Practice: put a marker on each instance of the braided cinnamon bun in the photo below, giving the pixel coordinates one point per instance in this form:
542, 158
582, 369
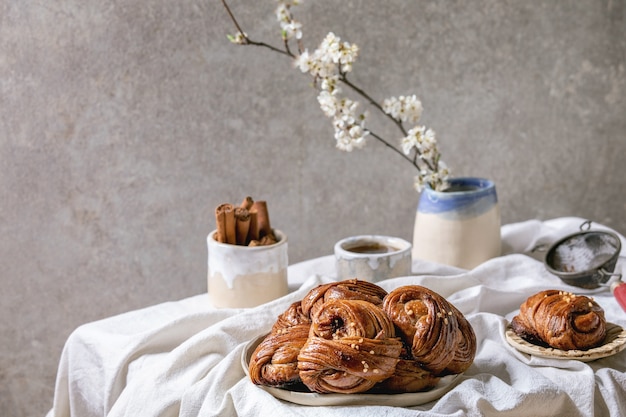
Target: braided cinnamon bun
352, 289
274, 362
409, 376
291, 317
441, 340
561, 320
351, 348
466, 346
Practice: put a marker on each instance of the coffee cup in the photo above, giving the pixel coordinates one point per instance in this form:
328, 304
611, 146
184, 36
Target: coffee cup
372, 258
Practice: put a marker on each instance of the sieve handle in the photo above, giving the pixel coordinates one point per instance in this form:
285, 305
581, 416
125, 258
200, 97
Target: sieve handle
606, 273
619, 292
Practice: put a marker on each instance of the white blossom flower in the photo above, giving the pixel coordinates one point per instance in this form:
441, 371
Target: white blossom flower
424, 178
429, 138
329, 48
315, 64
347, 55
413, 109
290, 27
413, 139
283, 14
349, 126
326, 62
438, 180
292, 30
325, 69
428, 146
392, 107
423, 140
331, 84
304, 62
328, 103
332, 50
420, 182
350, 139
404, 108
444, 173
348, 108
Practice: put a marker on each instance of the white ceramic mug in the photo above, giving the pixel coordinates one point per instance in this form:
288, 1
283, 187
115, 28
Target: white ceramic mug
372, 258
246, 276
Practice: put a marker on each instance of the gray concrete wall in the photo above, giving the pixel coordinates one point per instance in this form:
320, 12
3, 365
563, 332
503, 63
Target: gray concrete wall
124, 123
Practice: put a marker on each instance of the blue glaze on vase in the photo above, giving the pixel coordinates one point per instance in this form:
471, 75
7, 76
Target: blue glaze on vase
474, 197
460, 226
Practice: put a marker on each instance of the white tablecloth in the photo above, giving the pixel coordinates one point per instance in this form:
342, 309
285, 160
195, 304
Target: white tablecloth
183, 358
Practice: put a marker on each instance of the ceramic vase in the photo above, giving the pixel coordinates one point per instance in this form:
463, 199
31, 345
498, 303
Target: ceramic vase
460, 226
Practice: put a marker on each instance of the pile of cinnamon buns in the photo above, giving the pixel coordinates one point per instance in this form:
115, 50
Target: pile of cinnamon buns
354, 337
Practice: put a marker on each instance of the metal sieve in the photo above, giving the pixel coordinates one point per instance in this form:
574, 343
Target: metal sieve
585, 259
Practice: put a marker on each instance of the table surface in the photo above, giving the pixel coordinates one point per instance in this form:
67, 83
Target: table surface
184, 357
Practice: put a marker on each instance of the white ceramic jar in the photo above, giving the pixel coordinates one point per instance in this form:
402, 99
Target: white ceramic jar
246, 276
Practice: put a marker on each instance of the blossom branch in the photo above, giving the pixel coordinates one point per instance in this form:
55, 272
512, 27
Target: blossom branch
393, 148
374, 103
400, 125
329, 66
243, 39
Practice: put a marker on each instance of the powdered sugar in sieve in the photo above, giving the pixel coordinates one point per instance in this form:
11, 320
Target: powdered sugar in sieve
583, 252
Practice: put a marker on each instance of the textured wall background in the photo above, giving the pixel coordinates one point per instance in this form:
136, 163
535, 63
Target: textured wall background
124, 123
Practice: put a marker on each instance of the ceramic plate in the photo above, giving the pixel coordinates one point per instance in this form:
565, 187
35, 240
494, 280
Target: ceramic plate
614, 342
310, 398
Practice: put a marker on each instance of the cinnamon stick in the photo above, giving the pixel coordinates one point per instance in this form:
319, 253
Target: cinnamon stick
242, 225
247, 224
220, 221
269, 239
263, 218
247, 203
225, 219
264, 241
253, 229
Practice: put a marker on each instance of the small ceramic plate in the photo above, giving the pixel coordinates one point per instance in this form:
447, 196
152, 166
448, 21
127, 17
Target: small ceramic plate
310, 398
614, 342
